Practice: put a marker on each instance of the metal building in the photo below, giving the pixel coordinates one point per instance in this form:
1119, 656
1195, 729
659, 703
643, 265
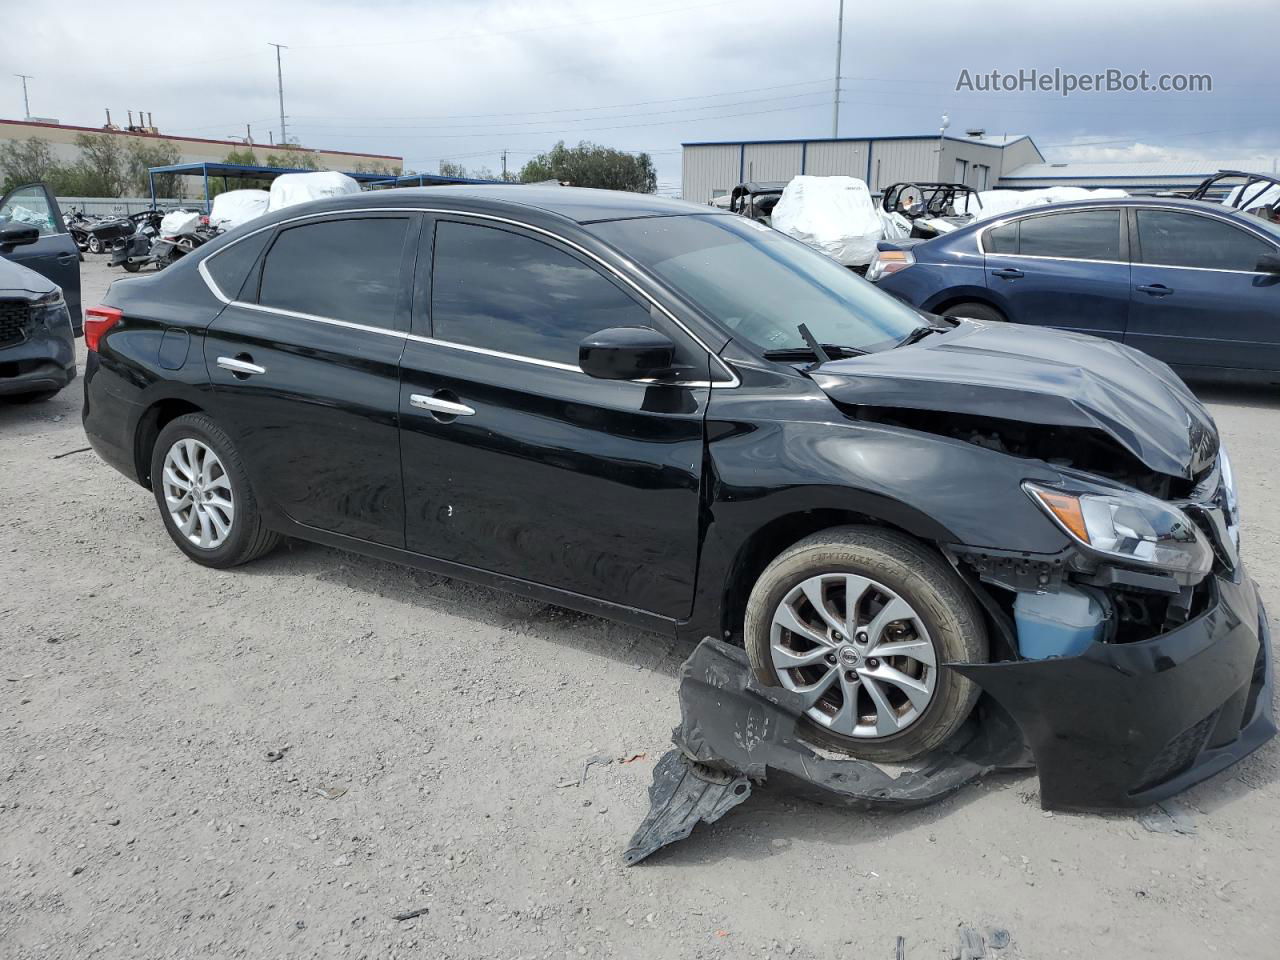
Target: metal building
712, 169
1135, 177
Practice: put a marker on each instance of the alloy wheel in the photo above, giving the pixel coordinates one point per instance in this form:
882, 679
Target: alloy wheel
858, 654
197, 493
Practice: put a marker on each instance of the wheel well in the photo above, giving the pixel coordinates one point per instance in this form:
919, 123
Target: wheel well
950, 302
765, 545
155, 419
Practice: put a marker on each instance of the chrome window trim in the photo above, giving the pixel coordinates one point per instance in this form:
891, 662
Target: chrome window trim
1207, 215
570, 368
1029, 214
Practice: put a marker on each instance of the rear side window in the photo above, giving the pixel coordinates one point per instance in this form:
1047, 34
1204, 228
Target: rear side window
1186, 240
1002, 239
345, 269
1079, 235
231, 266
503, 291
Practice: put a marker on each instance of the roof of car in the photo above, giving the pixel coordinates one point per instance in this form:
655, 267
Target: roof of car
580, 204
1130, 201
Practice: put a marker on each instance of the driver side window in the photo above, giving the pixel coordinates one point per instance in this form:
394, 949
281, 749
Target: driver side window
30, 206
503, 291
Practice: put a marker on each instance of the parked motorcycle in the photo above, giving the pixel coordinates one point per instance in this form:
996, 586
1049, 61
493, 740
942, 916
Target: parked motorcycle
162, 239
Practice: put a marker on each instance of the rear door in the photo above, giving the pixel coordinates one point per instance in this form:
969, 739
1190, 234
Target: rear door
54, 255
544, 473
1068, 269
304, 363
1198, 298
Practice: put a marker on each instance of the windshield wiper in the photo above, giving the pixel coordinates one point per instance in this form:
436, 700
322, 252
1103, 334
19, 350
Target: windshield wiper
916, 335
821, 352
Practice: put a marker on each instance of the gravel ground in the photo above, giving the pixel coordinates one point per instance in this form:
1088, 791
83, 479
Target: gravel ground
429, 729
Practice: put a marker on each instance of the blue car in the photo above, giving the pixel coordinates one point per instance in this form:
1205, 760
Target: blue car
1194, 284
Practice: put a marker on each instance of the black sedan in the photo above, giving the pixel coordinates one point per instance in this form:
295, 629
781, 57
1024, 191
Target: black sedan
683, 420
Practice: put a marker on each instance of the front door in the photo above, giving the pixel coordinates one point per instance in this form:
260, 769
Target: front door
1198, 298
304, 364
1068, 270
518, 463
54, 255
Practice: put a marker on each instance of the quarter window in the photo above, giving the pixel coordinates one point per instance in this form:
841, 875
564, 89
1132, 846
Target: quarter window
1079, 235
1186, 240
1002, 239
503, 291
345, 269
230, 266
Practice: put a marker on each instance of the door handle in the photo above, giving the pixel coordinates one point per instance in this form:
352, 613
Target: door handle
1156, 289
240, 367
1007, 273
65, 258
448, 408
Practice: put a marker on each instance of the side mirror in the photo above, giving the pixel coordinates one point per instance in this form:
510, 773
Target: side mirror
1269, 263
626, 353
17, 235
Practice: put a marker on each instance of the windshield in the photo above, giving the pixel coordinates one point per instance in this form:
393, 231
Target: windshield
761, 284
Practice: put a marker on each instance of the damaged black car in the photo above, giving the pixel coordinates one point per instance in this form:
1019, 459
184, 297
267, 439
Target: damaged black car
686, 421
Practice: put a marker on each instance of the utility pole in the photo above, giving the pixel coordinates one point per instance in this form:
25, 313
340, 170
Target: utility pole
284, 141
504, 163
26, 105
835, 102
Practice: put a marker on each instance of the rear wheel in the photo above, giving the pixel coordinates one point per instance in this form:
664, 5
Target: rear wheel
131, 267
858, 621
95, 245
974, 311
204, 495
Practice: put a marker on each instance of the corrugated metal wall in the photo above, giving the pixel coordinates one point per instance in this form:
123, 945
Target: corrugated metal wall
709, 171
893, 161
771, 161
847, 158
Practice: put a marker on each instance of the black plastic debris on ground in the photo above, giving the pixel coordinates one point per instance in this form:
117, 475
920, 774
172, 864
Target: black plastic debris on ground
734, 733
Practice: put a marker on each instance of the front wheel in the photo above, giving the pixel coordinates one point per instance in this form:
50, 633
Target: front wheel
95, 245
204, 495
859, 621
972, 310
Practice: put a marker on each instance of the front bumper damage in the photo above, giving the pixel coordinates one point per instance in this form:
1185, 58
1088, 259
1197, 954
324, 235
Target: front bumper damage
1121, 725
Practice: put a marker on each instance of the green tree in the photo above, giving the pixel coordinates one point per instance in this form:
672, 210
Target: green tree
297, 159
99, 171
26, 161
450, 168
591, 165
141, 156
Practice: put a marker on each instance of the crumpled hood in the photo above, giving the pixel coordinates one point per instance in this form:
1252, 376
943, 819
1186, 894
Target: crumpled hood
1038, 375
19, 281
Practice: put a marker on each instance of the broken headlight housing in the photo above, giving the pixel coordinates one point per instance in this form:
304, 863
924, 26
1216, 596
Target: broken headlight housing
1129, 526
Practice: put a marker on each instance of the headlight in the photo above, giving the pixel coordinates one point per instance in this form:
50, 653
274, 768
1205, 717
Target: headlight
889, 261
1132, 527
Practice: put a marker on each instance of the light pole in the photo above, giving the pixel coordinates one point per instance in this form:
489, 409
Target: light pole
835, 103
284, 141
26, 104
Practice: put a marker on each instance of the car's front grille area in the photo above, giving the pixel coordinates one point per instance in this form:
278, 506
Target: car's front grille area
14, 317
1178, 754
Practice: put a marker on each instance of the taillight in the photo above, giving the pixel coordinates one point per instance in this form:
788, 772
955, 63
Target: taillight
889, 261
97, 321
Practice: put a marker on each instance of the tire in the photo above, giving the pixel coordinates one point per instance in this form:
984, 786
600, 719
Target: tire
246, 537
895, 568
95, 245
974, 311
131, 267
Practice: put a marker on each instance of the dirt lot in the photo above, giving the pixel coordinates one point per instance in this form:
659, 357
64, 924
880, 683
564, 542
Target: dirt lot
429, 728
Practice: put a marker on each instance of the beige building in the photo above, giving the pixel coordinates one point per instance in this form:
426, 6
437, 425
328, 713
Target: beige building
61, 138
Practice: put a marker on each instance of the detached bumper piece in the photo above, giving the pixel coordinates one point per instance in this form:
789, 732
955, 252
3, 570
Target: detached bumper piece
1121, 725
734, 733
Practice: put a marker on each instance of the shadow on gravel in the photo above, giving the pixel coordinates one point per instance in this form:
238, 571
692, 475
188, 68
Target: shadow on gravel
1239, 395
495, 608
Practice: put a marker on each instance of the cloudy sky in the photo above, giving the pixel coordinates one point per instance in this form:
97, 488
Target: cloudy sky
464, 80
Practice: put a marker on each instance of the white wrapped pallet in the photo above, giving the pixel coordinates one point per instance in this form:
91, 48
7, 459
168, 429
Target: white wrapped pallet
831, 214
290, 189
179, 223
235, 207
